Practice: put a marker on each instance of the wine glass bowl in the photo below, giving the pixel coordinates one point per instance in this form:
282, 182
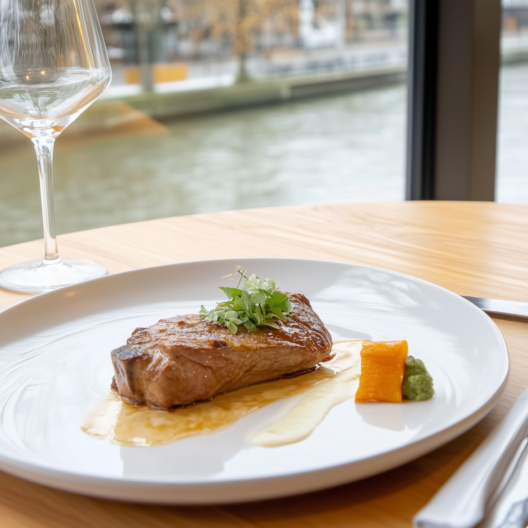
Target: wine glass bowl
53, 65
45, 102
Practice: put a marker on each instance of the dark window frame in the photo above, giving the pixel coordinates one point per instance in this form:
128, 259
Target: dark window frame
454, 63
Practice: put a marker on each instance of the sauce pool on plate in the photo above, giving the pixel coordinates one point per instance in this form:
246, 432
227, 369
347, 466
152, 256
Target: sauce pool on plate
333, 382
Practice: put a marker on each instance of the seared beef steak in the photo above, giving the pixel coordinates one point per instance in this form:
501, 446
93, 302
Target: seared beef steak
186, 359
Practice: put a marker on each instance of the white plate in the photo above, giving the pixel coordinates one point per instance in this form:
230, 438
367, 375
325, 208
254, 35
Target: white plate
55, 368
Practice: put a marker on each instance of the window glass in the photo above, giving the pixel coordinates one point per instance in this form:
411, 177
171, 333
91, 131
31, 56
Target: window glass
226, 104
512, 152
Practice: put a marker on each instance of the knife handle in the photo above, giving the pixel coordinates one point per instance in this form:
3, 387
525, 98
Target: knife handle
461, 502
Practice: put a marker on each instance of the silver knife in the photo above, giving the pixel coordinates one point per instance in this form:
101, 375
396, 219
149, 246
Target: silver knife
495, 306
494, 473
510, 509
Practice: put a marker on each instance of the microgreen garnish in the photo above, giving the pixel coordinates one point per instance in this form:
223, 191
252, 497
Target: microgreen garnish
257, 303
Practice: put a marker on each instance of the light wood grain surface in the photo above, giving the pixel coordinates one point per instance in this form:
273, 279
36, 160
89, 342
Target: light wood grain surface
478, 249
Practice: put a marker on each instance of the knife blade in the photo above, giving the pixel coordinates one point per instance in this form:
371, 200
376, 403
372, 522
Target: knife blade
495, 306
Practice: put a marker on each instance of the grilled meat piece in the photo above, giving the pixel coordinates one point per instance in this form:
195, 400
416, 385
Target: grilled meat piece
186, 359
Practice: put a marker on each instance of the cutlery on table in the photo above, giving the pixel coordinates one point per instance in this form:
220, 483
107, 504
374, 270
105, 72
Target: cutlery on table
510, 510
463, 500
520, 309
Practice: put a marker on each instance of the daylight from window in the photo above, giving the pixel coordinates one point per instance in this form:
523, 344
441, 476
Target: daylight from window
231, 104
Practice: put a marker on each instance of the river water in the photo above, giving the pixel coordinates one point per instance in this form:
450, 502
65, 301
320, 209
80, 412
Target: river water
344, 148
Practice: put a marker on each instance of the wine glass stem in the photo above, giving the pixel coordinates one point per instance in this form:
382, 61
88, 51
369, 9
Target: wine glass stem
44, 149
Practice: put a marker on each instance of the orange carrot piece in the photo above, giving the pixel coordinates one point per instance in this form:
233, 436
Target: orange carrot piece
382, 369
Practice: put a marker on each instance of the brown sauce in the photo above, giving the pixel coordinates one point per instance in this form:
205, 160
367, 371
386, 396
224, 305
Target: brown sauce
130, 425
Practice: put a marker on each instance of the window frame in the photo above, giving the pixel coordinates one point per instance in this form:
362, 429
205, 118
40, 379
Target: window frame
453, 89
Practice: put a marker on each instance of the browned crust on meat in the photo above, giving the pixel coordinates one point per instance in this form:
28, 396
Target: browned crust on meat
186, 359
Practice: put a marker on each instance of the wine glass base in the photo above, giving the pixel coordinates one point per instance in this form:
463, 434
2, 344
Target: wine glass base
39, 276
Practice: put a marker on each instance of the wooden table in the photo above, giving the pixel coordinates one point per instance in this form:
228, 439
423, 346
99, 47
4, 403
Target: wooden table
478, 249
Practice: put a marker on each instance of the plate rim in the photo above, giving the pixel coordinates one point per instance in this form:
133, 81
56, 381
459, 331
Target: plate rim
163, 490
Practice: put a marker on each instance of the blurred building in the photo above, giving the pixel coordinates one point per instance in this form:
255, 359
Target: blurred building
201, 31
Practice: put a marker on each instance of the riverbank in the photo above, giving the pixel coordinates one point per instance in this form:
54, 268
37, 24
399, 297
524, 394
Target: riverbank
116, 115
167, 106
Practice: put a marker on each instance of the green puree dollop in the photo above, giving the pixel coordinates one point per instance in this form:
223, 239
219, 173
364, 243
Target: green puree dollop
417, 382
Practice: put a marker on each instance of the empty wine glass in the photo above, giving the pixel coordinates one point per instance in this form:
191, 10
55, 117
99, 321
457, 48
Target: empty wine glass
53, 65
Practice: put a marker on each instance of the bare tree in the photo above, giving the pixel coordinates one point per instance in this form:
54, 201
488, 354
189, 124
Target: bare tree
242, 22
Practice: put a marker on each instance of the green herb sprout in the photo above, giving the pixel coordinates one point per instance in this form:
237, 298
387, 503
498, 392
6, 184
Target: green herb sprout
257, 303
